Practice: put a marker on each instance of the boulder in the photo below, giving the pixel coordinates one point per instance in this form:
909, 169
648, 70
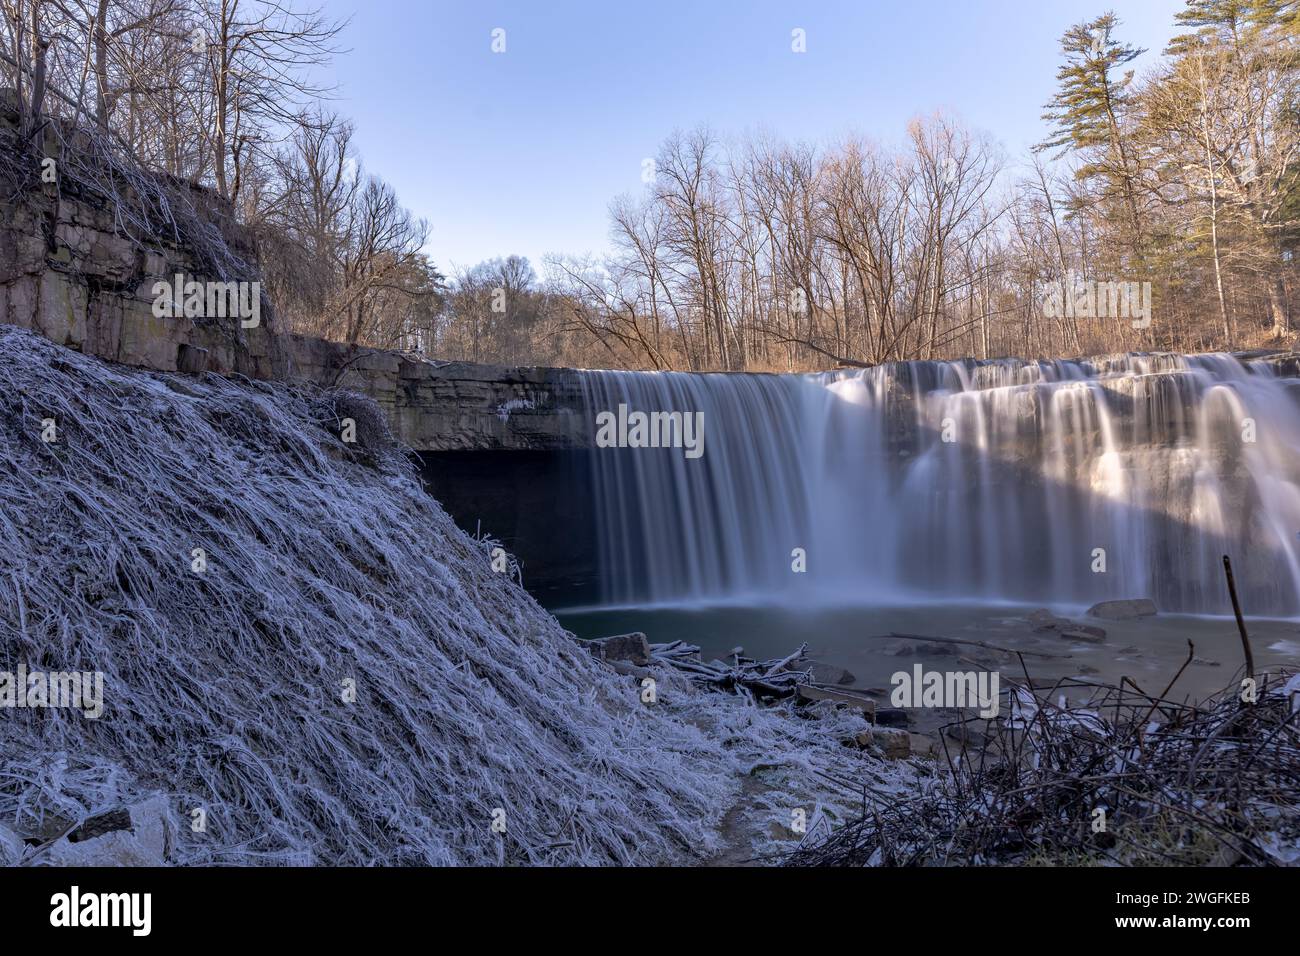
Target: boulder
139, 835
893, 717
1124, 610
630, 670
622, 647
192, 359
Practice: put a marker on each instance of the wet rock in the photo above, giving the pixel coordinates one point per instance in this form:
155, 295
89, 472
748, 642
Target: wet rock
1088, 635
1044, 620
892, 717
1125, 610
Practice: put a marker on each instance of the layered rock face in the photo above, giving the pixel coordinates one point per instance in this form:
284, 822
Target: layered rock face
83, 274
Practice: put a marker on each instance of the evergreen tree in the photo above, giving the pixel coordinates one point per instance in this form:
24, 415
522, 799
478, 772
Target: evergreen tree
1087, 115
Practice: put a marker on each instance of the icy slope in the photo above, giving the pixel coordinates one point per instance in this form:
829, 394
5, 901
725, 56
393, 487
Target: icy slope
327, 567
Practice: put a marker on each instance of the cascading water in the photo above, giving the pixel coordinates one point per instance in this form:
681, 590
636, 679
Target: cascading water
1048, 482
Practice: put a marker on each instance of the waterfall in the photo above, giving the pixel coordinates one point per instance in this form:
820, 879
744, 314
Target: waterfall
1064, 482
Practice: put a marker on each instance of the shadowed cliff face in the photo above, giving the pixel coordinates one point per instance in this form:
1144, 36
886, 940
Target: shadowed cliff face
1066, 482
537, 504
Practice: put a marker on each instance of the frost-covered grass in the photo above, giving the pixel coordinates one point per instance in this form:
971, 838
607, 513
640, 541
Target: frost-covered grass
326, 562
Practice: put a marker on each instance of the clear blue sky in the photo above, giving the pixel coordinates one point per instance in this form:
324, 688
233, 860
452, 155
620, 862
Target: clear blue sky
521, 152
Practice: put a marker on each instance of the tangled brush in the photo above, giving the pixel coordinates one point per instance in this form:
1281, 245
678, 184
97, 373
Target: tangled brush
1125, 779
232, 567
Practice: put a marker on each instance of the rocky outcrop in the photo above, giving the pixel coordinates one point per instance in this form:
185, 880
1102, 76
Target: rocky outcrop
67, 273
81, 273
460, 407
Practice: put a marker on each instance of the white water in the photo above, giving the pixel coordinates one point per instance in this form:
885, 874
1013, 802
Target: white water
1142, 456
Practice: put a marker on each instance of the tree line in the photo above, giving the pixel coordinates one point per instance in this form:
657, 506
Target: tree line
743, 253
1182, 182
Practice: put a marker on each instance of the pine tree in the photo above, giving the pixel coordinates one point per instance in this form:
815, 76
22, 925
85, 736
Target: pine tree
1087, 115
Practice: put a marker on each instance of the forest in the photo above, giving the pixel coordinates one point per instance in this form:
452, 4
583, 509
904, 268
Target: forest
739, 253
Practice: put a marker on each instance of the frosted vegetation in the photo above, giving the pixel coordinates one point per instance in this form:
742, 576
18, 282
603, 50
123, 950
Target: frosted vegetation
327, 562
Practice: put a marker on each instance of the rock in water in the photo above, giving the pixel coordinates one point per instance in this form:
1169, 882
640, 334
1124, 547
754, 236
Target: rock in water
1044, 620
893, 717
1125, 610
1083, 632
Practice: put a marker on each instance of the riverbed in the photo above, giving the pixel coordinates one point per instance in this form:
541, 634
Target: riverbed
1149, 650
